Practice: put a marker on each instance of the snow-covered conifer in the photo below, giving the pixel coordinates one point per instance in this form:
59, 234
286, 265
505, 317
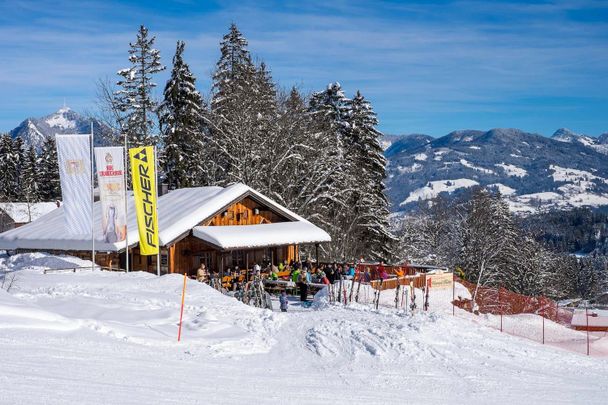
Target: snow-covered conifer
50, 188
135, 99
372, 234
182, 126
30, 181
9, 169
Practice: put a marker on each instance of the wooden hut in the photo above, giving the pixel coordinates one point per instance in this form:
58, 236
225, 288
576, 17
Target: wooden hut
221, 227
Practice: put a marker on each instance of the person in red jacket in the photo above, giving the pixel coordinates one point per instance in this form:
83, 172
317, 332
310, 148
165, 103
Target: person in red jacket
382, 271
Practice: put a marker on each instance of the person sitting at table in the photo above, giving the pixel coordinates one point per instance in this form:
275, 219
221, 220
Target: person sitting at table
202, 274
274, 272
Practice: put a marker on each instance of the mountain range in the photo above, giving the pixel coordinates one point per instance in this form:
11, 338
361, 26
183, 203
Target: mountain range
34, 131
531, 171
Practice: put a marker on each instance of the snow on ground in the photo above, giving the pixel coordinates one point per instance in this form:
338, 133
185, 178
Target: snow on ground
470, 165
421, 157
438, 154
512, 170
434, 188
502, 189
100, 337
573, 175
409, 169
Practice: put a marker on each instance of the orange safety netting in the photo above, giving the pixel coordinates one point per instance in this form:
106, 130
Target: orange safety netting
500, 301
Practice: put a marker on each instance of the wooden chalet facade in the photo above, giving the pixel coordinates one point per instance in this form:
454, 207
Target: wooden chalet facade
186, 253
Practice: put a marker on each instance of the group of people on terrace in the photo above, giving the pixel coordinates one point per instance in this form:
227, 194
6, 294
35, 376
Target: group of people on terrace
303, 274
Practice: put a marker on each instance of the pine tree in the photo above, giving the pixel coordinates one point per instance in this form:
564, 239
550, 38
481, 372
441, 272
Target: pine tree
9, 169
234, 113
50, 188
29, 176
369, 204
182, 127
328, 113
134, 99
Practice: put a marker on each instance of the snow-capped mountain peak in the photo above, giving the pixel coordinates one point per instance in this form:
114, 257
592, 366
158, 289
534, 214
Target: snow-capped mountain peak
64, 118
566, 135
34, 131
533, 172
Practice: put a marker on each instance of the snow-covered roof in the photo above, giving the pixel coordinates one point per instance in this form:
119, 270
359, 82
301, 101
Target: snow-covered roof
178, 212
22, 212
600, 320
276, 234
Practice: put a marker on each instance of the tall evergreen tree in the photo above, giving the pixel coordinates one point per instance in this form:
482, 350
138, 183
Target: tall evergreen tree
29, 176
369, 204
235, 113
9, 169
182, 126
329, 120
21, 156
50, 188
134, 99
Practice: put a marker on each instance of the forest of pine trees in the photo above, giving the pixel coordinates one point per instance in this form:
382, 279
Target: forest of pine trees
478, 237
318, 154
26, 176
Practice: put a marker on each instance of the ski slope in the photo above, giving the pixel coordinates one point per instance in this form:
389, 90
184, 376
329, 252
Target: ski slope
100, 337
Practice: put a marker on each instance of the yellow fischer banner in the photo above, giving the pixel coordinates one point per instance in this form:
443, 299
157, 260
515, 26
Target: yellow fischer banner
144, 191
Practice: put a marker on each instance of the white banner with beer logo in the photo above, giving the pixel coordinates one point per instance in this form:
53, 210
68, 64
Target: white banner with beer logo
111, 181
74, 159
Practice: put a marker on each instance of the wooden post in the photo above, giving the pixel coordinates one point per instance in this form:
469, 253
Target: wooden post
181, 314
453, 294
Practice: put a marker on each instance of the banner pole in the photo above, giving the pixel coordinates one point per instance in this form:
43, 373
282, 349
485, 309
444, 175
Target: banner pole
126, 172
158, 230
92, 203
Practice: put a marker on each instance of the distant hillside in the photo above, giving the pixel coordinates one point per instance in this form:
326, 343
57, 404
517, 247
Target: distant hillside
535, 172
34, 131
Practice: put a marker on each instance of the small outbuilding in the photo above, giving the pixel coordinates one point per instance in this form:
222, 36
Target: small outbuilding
221, 227
16, 214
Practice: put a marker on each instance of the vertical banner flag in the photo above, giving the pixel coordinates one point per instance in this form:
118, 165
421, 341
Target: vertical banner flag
110, 177
144, 192
74, 159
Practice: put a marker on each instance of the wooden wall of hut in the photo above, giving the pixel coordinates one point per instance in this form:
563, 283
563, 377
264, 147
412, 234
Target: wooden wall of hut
245, 212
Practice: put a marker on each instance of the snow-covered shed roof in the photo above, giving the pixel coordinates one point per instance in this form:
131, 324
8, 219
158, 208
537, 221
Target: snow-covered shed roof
178, 212
600, 320
23, 212
277, 234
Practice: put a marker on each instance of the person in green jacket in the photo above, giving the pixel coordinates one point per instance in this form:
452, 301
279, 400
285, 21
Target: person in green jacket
295, 276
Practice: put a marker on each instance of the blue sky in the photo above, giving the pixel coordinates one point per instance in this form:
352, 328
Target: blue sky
427, 66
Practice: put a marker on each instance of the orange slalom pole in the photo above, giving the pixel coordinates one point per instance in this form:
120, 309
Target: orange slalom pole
181, 314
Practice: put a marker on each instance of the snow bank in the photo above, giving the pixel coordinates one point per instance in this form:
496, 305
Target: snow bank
118, 330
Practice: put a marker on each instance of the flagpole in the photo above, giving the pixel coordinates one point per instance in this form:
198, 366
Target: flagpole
157, 230
126, 170
92, 203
